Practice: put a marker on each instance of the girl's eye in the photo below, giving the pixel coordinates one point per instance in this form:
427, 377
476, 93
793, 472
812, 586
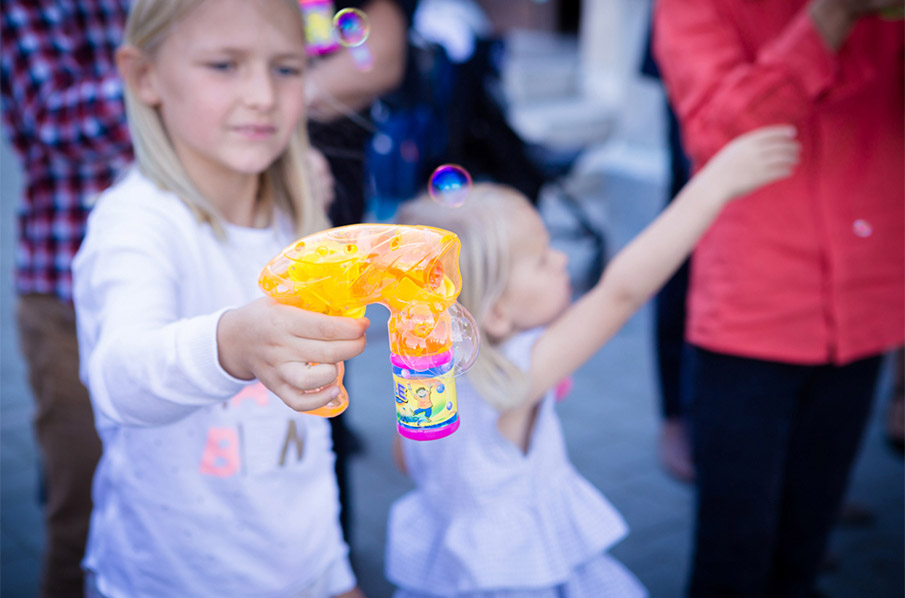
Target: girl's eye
288, 71
223, 66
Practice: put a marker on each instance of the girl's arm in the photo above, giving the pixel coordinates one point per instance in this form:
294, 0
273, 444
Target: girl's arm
147, 363
750, 161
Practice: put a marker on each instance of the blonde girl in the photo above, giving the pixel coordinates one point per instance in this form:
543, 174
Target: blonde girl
212, 483
498, 510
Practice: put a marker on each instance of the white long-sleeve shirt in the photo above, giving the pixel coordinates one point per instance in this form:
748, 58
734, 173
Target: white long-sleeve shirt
208, 485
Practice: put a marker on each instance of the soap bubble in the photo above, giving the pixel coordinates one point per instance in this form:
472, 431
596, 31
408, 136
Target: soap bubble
352, 26
449, 185
466, 340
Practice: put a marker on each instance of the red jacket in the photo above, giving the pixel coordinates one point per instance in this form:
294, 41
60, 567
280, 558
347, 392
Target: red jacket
811, 269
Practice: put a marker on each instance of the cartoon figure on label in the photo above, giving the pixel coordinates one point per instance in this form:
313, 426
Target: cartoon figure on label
423, 398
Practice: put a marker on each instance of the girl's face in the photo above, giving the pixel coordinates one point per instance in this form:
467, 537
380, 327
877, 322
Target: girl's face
538, 289
229, 87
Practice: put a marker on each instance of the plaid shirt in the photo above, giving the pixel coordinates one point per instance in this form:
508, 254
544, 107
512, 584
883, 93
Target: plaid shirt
63, 111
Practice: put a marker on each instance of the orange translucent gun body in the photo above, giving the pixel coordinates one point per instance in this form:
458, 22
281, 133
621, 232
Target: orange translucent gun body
414, 272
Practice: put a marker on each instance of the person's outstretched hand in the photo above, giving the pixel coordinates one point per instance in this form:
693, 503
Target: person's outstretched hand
754, 159
291, 351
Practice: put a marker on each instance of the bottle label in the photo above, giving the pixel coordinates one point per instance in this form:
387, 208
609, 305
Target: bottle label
426, 405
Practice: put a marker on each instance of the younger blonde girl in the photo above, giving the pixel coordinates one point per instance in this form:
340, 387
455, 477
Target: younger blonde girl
498, 510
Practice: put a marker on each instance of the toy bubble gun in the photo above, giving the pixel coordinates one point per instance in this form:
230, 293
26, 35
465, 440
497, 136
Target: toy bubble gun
414, 272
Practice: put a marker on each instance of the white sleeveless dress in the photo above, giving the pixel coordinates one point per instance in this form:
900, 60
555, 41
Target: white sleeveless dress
488, 521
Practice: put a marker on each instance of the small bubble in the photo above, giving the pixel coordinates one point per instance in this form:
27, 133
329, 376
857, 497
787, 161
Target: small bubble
352, 26
322, 251
450, 185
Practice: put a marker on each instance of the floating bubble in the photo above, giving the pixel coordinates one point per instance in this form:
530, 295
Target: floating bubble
450, 185
862, 228
441, 387
352, 26
406, 374
466, 340
449, 406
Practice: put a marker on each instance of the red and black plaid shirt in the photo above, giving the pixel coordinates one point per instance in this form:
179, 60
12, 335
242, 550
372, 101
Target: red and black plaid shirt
63, 112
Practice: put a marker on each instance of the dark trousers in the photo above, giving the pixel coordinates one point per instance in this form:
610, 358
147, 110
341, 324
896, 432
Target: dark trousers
67, 439
773, 447
669, 321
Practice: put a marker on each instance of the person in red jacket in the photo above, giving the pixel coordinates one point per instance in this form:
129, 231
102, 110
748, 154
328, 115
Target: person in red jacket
796, 292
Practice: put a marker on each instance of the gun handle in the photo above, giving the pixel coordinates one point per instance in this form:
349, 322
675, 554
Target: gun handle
340, 403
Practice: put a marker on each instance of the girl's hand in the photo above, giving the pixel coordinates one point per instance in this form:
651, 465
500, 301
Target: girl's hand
754, 159
277, 344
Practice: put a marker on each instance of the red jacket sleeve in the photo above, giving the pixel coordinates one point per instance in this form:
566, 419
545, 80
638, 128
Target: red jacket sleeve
720, 86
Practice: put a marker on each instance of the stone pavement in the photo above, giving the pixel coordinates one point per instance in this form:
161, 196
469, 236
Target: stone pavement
610, 419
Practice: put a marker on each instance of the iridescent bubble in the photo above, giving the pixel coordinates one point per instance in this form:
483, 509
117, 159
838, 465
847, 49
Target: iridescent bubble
450, 185
441, 387
862, 228
406, 374
352, 26
449, 406
466, 340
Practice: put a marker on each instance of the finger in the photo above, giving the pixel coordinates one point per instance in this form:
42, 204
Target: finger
769, 134
307, 377
782, 156
306, 401
777, 173
778, 131
306, 349
311, 325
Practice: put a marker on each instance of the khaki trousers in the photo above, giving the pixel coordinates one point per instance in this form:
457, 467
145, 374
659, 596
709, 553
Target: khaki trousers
67, 439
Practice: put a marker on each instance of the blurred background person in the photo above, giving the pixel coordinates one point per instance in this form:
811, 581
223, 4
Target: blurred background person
674, 450
795, 293
64, 115
339, 93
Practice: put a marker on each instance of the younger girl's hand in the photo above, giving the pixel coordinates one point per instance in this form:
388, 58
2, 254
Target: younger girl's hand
754, 159
277, 344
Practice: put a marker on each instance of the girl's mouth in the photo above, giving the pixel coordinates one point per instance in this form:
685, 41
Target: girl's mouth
255, 132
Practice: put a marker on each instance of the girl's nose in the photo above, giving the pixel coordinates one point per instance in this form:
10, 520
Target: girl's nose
260, 92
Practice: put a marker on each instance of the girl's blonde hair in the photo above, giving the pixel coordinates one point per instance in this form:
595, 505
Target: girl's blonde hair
285, 182
482, 225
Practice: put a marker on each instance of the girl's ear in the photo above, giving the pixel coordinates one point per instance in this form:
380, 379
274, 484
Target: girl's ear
137, 73
497, 322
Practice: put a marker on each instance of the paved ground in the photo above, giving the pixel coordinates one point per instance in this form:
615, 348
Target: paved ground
610, 421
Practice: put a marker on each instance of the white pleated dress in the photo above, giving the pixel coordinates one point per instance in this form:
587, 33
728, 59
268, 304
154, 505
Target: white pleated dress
487, 520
